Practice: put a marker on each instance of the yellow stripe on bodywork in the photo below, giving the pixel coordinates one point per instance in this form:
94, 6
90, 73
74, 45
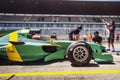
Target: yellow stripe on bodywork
13, 36
12, 53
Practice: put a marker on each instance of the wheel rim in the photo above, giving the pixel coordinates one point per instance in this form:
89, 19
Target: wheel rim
80, 53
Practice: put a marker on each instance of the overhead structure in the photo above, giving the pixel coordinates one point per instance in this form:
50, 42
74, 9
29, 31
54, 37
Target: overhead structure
74, 7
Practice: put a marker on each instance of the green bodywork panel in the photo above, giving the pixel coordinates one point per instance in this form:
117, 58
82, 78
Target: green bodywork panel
33, 50
3, 55
99, 53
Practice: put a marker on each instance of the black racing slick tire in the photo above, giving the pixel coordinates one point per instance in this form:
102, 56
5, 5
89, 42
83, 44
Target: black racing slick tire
79, 54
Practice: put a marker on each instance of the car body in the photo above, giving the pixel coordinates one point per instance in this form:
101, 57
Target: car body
19, 47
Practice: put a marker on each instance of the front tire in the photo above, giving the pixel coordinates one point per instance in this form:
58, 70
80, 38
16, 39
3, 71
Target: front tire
79, 54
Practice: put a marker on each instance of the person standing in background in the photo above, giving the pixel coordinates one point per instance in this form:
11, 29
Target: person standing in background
74, 33
111, 27
97, 38
90, 37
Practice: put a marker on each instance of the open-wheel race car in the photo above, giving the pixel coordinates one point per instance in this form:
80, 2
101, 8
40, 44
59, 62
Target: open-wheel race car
19, 46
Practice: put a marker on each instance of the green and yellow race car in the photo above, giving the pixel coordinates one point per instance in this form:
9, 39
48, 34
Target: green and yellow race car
26, 45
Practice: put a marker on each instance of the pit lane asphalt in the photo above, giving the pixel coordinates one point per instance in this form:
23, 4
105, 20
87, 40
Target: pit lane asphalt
59, 70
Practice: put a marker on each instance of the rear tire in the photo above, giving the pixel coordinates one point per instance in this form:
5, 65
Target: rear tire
79, 54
